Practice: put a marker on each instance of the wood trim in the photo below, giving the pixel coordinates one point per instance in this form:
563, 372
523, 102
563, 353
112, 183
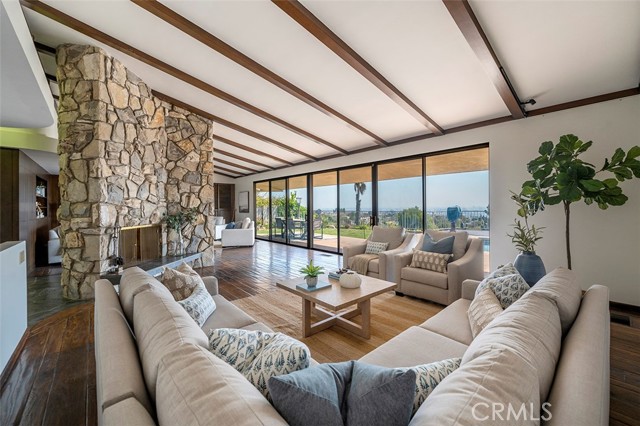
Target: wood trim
624, 308
251, 150
229, 163
230, 124
64, 19
319, 30
224, 169
468, 24
8, 368
208, 39
224, 174
238, 157
586, 101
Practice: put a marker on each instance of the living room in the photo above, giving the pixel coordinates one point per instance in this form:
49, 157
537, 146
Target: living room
305, 124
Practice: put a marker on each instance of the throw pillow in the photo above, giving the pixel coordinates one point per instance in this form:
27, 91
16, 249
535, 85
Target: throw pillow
428, 376
432, 261
349, 393
482, 310
375, 247
200, 305
444, 246
259, 355
181, 282
507, 289
230, 225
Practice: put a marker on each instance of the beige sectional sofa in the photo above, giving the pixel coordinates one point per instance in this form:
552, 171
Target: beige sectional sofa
166, 375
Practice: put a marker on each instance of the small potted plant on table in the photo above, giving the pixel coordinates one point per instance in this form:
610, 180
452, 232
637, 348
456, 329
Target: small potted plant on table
311, 273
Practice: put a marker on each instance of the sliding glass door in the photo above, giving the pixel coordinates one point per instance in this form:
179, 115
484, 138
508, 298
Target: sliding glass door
278, 210
263, 215
400, 194
297, 219
355, 216
325, 211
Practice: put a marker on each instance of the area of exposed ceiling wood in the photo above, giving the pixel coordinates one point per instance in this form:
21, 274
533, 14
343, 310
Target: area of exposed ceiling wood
291, 82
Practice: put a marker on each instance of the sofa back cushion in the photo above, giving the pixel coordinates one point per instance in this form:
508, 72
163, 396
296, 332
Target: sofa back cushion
459, 243
161, 325
131, 283
118, 371
393, 236
197, 388
561, 286
531, 329
467, 396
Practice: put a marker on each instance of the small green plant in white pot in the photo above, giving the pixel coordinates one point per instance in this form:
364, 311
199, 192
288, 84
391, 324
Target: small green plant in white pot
311, 273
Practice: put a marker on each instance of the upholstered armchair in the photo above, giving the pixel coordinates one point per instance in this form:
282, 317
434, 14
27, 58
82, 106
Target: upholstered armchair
242, 235
443, 288
399, 242
219, 224
53, 247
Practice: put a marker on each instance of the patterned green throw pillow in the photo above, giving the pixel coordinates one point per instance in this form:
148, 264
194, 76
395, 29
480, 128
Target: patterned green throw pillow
428, 376
507, 288
200, 305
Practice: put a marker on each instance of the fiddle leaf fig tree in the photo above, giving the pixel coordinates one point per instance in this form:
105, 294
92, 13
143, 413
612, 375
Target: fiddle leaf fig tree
561, 177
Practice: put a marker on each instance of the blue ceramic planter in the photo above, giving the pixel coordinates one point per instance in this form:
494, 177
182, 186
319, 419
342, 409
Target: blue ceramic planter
530, 267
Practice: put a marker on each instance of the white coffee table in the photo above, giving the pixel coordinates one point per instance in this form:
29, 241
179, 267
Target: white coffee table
329, 304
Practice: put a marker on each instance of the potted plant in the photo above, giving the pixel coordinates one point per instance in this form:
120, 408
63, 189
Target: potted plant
311, 273
177, 221
560, 176
525, 237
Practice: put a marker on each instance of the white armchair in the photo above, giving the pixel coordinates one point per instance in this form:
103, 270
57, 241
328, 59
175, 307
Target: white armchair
53, 247
242, 236
219, 224
399, 242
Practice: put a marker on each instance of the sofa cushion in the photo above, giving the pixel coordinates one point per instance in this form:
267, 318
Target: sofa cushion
436, 262
561, 285
466, 396
443, 246
483, 309
374, 247
507, 288
118, 371
459, 243
181, 281
531, 329
424, 276
258, 355
402, 350
452, 322
161, 324
227, 315
200, 305
131, 283
127, 412
197, 388
393, 236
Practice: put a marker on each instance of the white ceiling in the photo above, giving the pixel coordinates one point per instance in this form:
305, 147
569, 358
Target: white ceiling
554, 51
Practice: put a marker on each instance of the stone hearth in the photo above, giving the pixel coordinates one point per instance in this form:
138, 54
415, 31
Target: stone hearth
126, 159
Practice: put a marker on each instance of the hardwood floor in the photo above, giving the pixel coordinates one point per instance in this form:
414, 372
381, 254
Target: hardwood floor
52, 381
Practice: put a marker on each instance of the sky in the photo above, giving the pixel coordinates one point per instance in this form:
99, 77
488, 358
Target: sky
467, 190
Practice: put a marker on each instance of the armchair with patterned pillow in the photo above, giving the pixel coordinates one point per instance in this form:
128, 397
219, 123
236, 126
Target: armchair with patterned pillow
438, 265
376, 254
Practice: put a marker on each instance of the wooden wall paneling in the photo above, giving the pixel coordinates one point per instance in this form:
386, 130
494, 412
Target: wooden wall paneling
224, 194
54, 200
9, 212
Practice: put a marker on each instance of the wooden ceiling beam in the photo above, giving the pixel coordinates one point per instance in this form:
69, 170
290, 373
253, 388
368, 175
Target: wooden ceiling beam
238, 157
208, 39
468, 24
81, 27
251, 150
232, 164
319, 30
224, 169
230, 124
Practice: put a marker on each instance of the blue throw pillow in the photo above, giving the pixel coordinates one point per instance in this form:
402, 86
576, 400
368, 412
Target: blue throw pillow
346, 393
230, 225
443, 246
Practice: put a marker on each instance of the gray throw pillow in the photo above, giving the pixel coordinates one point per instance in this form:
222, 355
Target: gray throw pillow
443, 246
347, 393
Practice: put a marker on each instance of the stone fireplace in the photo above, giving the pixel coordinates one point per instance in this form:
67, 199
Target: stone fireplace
126, 159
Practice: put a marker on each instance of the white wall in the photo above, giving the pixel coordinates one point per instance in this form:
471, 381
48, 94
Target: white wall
605, 244
13, 297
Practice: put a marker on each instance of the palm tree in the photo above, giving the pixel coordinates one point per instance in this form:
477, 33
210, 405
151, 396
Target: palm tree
359, 187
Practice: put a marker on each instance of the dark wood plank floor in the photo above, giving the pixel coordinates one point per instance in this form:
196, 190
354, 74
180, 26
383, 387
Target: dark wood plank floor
52, 381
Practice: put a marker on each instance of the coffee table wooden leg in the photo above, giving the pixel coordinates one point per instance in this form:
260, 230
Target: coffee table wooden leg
307, 307
365, 309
